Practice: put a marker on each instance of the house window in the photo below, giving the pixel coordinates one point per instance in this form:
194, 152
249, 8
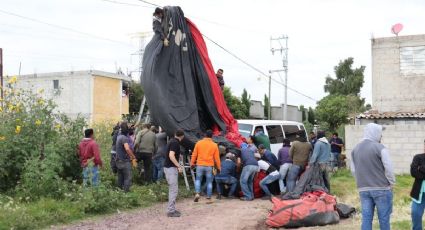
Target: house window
56, 84
412, 60
290, 131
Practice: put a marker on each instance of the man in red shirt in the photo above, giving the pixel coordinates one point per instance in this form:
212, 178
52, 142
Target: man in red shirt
90, 158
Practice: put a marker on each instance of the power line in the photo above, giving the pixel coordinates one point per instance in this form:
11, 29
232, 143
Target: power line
256, 69
63, 28
149, 3
125, 3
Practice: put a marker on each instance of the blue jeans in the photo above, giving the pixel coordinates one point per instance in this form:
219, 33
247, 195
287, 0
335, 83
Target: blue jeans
202, 171
94, 175
294, 172
335, 159
284, 169
268, 180
247, 181
417, 213
158, 168
383, 200
233, 182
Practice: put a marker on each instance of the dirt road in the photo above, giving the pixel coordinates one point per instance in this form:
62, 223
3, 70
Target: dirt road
220, 214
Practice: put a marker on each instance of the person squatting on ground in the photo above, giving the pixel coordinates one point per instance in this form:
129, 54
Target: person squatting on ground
145, 147
321, 156
285, 163
205, 155
90, 158
417, 171
125, 158
250, 168
299, 153
272, 175
158, 158
227, 176
336, 148
373, 171
172, 168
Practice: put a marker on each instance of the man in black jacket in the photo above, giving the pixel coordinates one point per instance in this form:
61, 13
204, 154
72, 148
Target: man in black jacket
417, 170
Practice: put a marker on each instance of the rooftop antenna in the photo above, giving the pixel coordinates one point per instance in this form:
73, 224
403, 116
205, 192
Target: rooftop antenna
396, 29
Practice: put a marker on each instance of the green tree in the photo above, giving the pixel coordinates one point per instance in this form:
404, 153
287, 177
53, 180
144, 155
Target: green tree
334, 110
266, 106
302, 109
246, 100
348, 80
311, 116
135, 97
235, 105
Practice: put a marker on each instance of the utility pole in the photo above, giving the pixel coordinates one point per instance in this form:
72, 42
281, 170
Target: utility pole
269, 102
283, 48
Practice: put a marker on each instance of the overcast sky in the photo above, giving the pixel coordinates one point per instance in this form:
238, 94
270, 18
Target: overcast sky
321, 33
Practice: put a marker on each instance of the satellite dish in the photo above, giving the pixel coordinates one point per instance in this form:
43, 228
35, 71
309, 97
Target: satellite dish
395, 29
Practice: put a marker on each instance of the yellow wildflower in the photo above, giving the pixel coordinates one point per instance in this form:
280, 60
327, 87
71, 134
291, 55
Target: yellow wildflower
12, 80
1, 109
40, 101
37, 122
2, 138
40, 91
57, 126
18, 129
10, 107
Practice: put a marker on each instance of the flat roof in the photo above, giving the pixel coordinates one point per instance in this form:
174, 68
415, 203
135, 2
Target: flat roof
78, 73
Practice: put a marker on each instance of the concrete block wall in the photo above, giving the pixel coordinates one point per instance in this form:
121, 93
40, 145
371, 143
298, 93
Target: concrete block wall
392, 92
403, 142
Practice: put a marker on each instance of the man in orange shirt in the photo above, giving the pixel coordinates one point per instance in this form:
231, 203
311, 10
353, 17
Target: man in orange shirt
205, 156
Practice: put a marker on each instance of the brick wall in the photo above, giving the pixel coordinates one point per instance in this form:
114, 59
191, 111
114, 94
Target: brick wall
403, 142
391, 91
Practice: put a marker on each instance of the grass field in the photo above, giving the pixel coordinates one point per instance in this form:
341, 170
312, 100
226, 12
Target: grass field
344, 187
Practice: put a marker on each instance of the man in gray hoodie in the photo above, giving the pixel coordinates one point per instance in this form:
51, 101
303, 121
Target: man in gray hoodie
371, 166
322, 155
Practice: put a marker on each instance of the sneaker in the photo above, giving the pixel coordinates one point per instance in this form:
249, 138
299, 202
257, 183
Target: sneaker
231, 197
196, 197
218, 197
246, 199
174, 214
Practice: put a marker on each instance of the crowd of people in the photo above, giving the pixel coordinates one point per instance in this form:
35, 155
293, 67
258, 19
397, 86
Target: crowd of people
156, 155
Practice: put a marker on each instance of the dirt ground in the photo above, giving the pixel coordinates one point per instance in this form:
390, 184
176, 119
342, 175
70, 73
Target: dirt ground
219, 214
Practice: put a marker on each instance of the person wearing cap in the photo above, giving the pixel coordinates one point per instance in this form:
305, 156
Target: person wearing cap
268, 156
227, 176
250, 168
272, 175
322, 156
299, 153
204, 156
372, 168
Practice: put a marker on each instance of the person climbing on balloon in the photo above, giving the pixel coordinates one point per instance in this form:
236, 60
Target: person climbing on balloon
158, 15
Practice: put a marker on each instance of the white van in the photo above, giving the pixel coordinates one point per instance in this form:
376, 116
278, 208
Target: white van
275, 129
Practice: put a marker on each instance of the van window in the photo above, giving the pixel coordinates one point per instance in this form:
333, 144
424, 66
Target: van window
290, 131
275, 134
245, 129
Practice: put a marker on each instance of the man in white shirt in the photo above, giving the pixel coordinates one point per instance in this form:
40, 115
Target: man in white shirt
272, 175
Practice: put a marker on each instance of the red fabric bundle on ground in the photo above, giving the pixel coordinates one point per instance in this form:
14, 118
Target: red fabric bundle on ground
312, 209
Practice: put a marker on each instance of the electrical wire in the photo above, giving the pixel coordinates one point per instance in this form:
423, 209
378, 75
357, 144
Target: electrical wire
64, 28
